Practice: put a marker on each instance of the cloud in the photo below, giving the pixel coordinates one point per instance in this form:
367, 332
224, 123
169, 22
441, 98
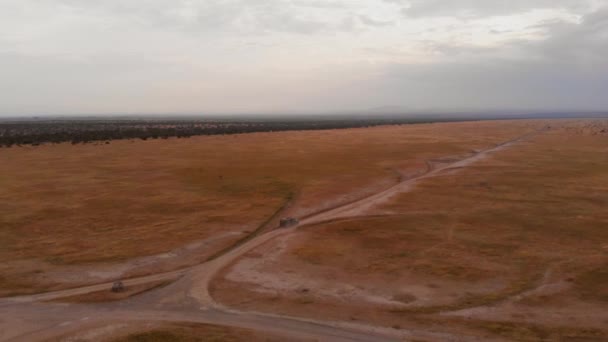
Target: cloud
585, 44
484, 8
564, 71
213, 16
366, 20
84, 56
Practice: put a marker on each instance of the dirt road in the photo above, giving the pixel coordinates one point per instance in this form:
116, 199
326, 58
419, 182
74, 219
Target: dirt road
30, 318
363, 206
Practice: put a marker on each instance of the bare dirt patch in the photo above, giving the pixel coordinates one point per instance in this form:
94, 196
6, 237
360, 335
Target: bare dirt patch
110, 296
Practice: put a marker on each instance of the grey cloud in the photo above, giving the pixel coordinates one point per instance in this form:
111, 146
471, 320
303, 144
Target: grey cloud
584, 43
367, 20
565, 71
452, 49
479, 8
320, 4
195, 55
240, 16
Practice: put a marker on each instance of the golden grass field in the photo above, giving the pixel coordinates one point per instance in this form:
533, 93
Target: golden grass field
512, 246
520, 239
89, 204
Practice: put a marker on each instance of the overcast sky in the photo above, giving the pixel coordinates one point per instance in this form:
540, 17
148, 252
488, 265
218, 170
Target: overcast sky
255, 56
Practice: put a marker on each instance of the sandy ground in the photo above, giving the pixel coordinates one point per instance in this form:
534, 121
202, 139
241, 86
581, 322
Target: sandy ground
269, 271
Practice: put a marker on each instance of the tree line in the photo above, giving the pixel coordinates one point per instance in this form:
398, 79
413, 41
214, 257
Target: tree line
82, 132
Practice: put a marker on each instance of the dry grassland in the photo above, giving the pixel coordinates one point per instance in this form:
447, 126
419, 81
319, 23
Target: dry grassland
198, 333
65, 205
158, 332
514, 246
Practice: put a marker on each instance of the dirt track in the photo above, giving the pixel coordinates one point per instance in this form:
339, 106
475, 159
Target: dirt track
27, 318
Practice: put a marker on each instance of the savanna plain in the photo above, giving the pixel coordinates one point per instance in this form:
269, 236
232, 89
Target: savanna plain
462, 231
